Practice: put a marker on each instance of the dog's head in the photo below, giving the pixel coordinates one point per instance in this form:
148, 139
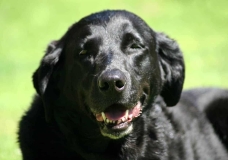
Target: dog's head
109, 67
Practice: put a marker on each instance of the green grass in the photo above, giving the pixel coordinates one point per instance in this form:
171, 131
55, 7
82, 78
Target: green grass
26, 27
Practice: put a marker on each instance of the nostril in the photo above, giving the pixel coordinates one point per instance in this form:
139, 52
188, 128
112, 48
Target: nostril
119, 85
103, 85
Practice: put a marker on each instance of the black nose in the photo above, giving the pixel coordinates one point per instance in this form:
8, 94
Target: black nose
113, 80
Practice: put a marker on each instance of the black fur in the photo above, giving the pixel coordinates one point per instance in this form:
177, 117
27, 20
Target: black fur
118, 46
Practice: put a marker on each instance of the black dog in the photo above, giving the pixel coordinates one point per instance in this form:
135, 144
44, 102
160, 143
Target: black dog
102, 91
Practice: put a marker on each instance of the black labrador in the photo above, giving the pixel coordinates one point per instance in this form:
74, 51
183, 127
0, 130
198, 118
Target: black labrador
103, 91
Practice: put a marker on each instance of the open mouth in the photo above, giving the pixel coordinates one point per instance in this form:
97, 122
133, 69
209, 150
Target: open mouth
119, 114
116, 121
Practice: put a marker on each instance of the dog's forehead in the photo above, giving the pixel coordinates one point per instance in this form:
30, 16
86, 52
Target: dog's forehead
105, 28
114, 28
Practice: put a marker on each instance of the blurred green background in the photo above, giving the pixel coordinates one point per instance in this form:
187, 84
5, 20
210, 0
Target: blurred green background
26, 27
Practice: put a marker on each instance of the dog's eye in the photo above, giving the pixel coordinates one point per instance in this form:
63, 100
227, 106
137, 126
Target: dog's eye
83, 52
135, 46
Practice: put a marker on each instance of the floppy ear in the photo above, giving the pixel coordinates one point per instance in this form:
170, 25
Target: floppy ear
172, 68
42, 75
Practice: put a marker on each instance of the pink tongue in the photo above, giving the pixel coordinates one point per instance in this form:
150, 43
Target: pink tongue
115, 114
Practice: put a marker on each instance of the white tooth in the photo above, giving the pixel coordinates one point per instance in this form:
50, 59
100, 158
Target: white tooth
107, 120
119, 121
126, 114
103, 116
123, 119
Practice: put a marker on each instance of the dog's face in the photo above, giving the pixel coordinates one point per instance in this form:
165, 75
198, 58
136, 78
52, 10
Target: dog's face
110, 66
113, 63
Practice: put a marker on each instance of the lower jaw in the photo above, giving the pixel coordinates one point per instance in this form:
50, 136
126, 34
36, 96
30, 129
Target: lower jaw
116, 134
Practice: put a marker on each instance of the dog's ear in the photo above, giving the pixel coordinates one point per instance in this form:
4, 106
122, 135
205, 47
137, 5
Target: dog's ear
172, 68
41, 77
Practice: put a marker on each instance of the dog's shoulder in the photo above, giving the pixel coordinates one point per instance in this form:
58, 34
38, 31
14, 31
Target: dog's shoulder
213, 102
200, 118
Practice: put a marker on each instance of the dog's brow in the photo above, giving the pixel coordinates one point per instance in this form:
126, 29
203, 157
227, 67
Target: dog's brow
129, 31
133, 36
